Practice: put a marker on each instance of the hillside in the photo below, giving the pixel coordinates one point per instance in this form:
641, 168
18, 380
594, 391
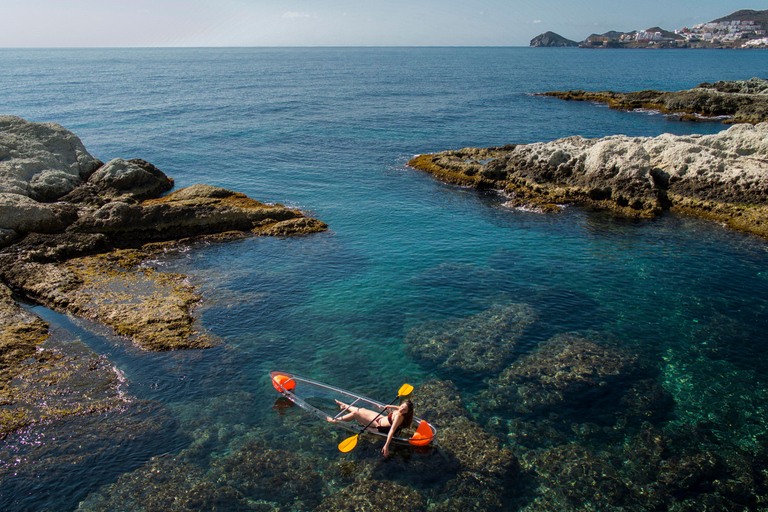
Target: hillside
720, 33
760, 17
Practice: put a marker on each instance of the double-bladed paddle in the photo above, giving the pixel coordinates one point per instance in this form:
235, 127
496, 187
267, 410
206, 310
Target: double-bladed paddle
349, 443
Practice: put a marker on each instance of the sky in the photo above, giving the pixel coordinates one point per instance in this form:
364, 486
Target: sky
171, 23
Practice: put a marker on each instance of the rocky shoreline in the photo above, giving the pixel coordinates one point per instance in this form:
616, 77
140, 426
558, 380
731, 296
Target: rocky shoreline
740, 101
76, 235
721, 177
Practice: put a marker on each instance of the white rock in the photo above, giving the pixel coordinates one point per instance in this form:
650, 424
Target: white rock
43, 161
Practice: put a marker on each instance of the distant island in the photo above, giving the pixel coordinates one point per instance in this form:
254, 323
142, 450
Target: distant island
742, 29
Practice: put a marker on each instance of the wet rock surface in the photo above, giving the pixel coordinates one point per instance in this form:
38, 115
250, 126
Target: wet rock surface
720, 176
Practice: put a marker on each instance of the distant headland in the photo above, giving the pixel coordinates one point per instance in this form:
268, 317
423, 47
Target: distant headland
742, 29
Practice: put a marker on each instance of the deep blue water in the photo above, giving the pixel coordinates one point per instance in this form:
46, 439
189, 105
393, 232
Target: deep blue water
329, 131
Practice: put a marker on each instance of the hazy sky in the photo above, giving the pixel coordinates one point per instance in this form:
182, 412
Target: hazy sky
103, 23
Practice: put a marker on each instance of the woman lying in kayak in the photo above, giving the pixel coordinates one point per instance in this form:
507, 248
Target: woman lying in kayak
400, 417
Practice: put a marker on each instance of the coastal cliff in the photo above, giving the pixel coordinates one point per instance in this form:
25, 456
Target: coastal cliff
722, 177
76, 236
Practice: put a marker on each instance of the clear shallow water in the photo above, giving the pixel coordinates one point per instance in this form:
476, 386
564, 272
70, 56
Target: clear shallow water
329, 131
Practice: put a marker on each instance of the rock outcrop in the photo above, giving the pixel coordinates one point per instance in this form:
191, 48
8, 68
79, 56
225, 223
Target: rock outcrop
722, 177
43, 161
551, 39
741, 101
75, 235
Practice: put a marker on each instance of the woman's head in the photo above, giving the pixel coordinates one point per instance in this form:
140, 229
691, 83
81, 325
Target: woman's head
406, 409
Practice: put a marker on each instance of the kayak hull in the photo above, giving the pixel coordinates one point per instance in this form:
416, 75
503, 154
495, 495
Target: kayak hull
318, 399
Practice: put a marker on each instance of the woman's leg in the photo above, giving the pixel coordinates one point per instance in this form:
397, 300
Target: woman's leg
362, 416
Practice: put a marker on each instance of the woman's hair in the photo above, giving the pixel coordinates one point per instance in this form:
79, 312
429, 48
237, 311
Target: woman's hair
408, 416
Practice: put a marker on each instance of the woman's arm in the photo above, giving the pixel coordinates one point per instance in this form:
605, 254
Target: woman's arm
397, 419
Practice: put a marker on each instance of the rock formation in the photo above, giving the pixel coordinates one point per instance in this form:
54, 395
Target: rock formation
551, 39
740, 101
723, 176
74, 233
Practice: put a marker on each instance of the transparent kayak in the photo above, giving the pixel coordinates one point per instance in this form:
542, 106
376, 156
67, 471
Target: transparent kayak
320, 400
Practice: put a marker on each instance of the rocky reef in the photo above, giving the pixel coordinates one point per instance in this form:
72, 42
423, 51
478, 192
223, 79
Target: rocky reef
740, 101
720, 177
471, 470
77, 235
484, 342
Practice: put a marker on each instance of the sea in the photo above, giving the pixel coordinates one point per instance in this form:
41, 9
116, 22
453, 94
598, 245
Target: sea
329, 131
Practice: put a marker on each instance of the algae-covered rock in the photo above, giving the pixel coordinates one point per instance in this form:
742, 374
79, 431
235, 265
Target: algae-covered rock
721, 176
262, 473
741, 101
484, 342
168, 484
483, 473
49, 252
374, 496
566, 368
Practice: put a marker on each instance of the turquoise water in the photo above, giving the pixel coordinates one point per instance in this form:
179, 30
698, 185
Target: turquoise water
329, 131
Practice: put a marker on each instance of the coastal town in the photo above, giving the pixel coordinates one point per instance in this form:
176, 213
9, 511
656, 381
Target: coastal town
743, 29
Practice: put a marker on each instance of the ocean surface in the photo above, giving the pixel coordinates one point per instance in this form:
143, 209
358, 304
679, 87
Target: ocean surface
329, 131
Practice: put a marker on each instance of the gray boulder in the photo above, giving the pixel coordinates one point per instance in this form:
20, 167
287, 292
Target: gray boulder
20, 215
43, 161
130, 180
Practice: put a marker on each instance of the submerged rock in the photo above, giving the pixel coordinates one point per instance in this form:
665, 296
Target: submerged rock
723, 176
484, 342
566, 368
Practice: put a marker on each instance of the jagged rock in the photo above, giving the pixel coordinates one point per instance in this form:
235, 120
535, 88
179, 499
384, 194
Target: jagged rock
720, 176
194, 211
741, 101
43, 161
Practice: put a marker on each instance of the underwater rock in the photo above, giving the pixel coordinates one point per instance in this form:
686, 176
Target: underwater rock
168, 484
486, 473
669, 468
567, 367
573, 475
722, 176
281, 476
484, 342
374, 496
